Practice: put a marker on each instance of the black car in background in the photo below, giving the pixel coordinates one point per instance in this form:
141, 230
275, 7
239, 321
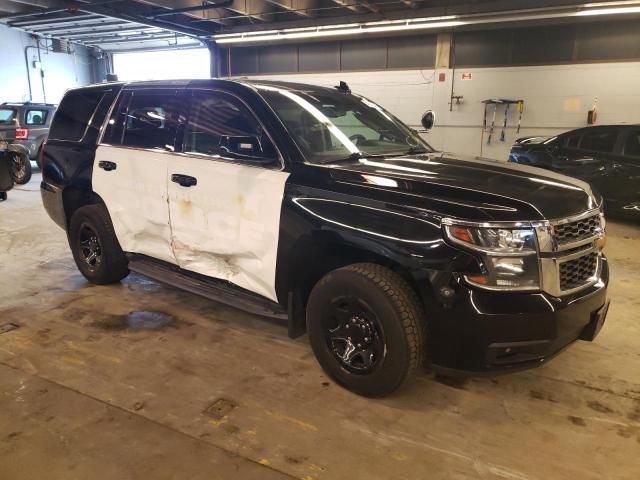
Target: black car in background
608, 157
24, 127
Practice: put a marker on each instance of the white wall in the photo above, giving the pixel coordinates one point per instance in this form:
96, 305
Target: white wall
61, 70
557, 99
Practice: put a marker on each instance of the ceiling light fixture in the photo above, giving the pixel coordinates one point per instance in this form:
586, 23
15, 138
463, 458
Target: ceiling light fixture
336, 30
608, 11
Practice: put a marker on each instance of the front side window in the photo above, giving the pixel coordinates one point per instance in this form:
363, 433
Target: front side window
220, 125
601, 141
36, 117
632, 144
331, 125
7, 116
146, 119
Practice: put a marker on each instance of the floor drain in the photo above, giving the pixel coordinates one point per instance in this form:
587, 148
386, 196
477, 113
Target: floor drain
220, 408
7, 327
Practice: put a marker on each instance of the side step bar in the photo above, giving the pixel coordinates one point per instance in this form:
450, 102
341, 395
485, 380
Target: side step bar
217, 290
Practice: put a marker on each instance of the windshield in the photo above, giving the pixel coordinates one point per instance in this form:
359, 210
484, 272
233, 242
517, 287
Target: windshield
331, 126
7, 115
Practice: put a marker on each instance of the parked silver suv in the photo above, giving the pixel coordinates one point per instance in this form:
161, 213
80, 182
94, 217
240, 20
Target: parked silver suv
23, 129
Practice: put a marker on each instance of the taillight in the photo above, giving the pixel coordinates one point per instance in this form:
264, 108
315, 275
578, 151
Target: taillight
22, 133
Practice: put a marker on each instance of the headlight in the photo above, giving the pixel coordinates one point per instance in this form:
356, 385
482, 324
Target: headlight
508, 255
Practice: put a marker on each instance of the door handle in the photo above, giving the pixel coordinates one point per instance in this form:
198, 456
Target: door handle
184, 180
108, 166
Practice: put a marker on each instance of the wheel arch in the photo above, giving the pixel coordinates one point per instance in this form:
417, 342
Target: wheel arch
74, 198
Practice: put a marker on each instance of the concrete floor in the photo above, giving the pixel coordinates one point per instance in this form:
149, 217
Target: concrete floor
82, 395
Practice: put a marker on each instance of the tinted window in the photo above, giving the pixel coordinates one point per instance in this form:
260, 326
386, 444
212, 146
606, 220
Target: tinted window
36, 117
573, 140
632, 144
221, 125
74, 114
599, 140
146, 119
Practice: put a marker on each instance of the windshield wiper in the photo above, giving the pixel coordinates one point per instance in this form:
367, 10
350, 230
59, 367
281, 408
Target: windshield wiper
415, 150
357, 156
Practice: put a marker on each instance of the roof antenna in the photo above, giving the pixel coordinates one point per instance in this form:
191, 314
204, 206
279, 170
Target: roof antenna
343, 87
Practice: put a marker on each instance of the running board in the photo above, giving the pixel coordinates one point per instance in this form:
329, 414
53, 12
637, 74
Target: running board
213, 289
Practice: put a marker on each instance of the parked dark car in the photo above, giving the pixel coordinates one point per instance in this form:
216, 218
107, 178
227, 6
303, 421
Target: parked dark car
318, 207
24, 127
608, 157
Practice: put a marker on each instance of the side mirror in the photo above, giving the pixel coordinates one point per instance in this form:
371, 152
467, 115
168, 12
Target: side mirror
428, 120
247, 148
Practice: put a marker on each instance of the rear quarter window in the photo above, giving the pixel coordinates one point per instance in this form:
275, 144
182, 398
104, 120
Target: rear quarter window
74, 115
7, 116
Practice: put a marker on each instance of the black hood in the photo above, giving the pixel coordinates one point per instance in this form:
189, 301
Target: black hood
470, 187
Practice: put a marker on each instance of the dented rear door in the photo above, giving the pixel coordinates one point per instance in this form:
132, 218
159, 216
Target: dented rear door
131, 165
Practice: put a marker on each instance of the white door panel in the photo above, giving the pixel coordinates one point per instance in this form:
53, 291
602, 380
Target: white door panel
227, 226
135, 194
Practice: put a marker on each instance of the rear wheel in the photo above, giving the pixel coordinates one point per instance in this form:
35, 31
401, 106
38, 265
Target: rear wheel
95, 246
21, 168
366, 328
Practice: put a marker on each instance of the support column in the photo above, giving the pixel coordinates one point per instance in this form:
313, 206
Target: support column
443, 50
212, 46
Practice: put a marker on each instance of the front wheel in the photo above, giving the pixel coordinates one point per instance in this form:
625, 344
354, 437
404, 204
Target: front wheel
95, 246
21, 169
366, 327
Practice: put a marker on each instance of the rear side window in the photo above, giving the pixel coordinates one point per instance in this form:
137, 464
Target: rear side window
35, 117
146, 119
599, 141
7, 116
74, 115
632, 144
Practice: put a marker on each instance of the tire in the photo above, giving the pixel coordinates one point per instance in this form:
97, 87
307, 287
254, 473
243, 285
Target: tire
384, 318
95, 246
21, 169
3, 196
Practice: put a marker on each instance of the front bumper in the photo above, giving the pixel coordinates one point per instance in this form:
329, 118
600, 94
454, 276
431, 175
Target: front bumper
482, 332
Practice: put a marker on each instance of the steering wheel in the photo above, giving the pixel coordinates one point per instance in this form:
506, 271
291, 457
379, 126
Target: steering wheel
357, 138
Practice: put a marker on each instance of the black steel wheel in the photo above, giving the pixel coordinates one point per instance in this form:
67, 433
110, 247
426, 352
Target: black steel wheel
21, 168
354, 334
95, 246
366, 327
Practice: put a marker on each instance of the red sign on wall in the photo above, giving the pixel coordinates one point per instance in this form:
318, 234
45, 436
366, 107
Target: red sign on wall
465, 76
441, 77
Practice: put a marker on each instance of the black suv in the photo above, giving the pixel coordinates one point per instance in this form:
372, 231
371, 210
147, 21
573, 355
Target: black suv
319, 207
23, 129
607, 156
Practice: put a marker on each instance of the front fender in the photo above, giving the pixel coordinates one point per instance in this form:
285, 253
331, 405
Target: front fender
320, 234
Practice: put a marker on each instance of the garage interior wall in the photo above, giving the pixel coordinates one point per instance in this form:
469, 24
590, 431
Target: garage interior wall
61, 70
562, 82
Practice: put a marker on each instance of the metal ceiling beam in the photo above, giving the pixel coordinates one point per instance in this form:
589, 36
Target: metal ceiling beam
254, 9
215, 16
131, 39
92, 33
53, 21
77, 26
304, 8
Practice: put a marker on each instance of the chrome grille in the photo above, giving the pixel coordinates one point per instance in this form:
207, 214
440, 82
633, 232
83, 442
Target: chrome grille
577, 230
578, 272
